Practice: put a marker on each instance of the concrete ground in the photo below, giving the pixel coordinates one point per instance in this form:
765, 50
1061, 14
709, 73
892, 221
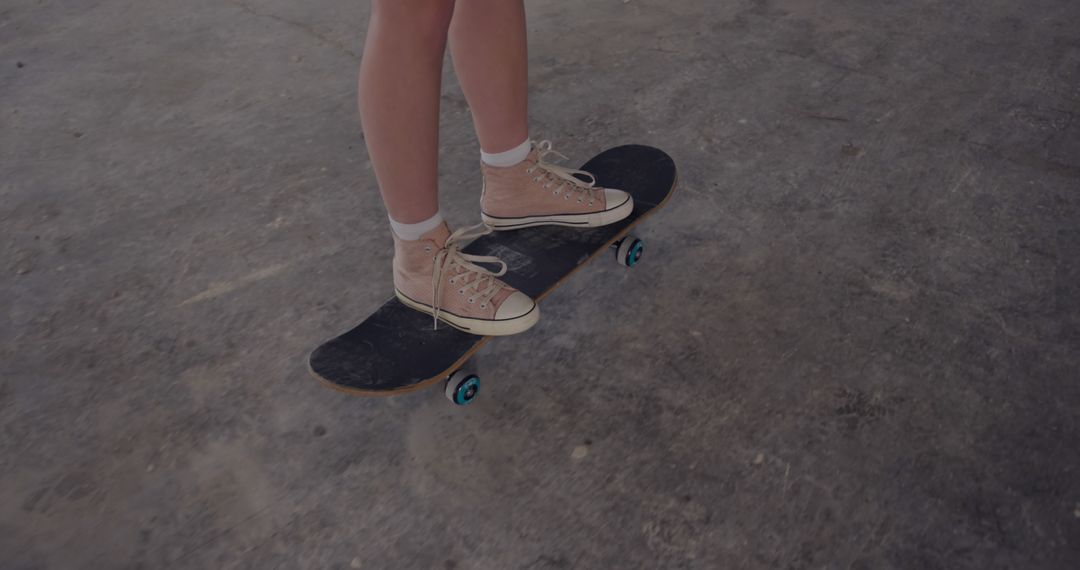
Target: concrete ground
854, 343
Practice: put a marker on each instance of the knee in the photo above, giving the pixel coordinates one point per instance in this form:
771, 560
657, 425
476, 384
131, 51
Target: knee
428, 19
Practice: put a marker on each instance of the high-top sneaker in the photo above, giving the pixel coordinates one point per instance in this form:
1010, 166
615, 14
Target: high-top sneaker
536, 192
432, 275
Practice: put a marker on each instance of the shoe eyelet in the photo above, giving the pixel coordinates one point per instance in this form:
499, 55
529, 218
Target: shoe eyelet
428, 249
483, 305
461, 291
471, 300
452, 280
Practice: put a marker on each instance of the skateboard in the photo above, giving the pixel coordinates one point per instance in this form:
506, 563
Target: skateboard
397, 350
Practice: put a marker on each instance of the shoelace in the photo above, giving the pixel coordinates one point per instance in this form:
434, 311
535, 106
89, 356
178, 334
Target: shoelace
463, 268
556, 173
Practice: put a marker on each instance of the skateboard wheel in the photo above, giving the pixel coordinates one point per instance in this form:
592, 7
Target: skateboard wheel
629, 251
462, 387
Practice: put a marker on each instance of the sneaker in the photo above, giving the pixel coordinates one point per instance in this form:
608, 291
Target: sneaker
536, 193
433, 276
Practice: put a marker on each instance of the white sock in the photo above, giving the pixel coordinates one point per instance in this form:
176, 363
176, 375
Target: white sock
507, 157
413, 232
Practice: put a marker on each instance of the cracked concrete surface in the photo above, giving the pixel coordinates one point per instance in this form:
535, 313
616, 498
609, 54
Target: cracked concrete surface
854, 342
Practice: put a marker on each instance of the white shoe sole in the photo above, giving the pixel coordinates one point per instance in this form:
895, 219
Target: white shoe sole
590, 220
482, 327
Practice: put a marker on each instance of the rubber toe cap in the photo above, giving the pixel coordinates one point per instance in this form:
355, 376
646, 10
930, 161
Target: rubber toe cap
616, 198
517, 305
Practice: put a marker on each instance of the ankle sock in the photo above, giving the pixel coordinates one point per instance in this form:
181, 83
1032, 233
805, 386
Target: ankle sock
508, 157
413, 232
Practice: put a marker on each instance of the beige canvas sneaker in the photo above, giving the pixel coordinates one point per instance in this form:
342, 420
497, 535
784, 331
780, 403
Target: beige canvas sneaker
537, 192
433, 276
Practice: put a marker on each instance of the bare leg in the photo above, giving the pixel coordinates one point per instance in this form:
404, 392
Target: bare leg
488, 44
400, 78
399, 105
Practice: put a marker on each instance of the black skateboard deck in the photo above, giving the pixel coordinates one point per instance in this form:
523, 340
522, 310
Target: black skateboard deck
396, 349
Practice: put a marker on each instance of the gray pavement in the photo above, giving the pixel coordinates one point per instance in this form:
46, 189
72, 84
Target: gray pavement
854, 342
